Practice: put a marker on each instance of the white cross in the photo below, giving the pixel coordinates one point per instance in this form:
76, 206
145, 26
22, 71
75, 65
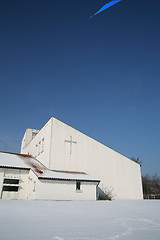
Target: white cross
70, 141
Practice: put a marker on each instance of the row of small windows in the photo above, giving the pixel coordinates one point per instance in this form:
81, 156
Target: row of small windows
12, 185
40, 147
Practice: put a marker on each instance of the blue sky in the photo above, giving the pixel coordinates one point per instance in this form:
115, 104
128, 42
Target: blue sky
100, 75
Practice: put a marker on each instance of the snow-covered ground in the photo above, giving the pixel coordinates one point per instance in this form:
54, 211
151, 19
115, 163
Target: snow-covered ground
48, 220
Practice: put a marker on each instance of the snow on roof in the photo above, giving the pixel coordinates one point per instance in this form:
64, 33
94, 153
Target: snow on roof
48, 174
12, 160
24, 161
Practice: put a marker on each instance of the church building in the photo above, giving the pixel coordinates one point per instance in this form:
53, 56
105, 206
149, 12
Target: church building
60, 147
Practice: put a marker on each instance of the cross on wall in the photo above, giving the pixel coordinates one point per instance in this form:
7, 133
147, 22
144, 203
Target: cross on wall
71, 142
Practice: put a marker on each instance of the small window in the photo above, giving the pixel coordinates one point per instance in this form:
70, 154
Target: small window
36, 150
39, 148
78, 185
10, 188
42, 149
33, 134
11, 181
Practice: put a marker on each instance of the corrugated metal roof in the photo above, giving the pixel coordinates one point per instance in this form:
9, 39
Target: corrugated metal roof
24, 161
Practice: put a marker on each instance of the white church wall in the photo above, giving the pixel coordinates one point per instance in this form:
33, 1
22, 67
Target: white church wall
32, 185
64, 190
39, 147
113, 169
23, 186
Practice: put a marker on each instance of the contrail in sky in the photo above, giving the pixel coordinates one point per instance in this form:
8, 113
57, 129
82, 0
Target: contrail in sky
107, 6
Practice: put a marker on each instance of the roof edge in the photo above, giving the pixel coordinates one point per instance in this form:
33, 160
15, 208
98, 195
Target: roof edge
65, 179
19, 154
23, 168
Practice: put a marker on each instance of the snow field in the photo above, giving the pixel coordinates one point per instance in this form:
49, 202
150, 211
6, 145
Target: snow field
79, 220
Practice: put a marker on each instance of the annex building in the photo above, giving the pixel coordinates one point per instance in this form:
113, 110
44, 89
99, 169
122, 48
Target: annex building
24, 177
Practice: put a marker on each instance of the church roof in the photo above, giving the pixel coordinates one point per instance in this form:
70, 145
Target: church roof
24, 161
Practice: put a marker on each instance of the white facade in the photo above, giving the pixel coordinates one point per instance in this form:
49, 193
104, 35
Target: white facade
18, 175
23, 177
59, 146
65, 190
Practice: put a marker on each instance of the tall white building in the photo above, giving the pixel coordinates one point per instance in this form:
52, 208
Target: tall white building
61, 147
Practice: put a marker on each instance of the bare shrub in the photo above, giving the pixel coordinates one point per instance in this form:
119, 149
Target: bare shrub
105, 193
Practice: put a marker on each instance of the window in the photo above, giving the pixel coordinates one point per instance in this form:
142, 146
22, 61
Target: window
42, 147
33, 134
78, 185
10, 188
10, 184
39, 148
11, 181
36, 150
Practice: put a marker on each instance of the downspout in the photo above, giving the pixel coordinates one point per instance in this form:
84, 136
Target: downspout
97, 191
2, 185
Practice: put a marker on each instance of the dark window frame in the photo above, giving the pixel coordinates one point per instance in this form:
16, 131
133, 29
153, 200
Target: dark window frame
78, 185
10, 188
10, 181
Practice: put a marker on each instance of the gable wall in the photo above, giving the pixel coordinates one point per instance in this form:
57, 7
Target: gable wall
113, 169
